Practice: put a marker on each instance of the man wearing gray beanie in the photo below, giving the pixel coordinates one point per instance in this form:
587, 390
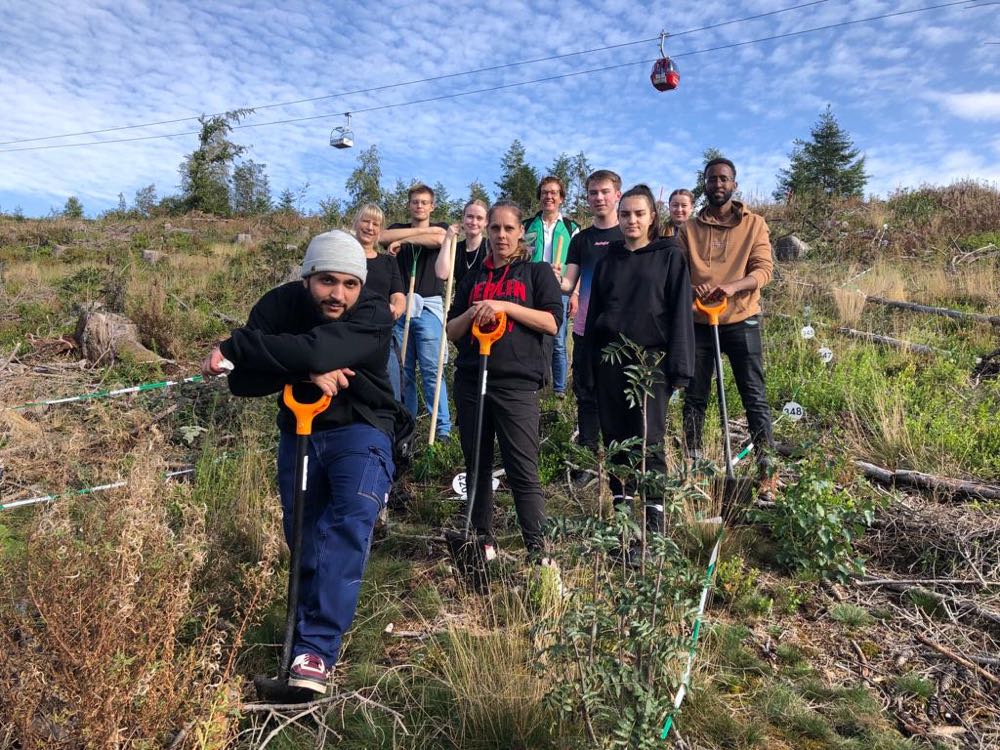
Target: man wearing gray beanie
330, 330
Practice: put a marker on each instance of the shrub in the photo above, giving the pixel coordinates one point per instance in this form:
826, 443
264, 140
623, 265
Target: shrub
815, 524
618, 650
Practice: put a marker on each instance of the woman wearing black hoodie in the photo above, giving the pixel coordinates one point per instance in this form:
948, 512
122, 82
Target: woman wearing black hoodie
529, 294
642, 290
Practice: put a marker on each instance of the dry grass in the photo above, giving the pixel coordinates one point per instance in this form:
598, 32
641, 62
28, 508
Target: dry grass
932, 284
53, 449
877, 215
92, 624
146, 303
850, 305
879, 430
981, 284
884, 280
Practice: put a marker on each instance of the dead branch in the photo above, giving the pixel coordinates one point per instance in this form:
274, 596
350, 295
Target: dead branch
943, 650
876, 338
960, 607
923, 582
929, 310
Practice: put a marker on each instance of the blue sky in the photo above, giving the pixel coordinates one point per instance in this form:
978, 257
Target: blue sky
920, 94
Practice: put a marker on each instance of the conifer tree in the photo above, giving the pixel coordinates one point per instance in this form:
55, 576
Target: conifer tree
828, 164
519, 180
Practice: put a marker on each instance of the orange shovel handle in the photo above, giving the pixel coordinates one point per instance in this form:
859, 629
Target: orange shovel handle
304, 413
712, 311
488, 338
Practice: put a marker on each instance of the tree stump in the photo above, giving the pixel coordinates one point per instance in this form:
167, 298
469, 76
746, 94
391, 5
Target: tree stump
104, 336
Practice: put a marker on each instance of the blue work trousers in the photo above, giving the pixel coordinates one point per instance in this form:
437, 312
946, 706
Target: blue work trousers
347, 483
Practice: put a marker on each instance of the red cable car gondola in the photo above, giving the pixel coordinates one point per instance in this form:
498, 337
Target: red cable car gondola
664, 76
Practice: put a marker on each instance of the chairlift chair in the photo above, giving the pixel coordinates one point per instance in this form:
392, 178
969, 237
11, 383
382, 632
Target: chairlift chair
664, 76
342, 136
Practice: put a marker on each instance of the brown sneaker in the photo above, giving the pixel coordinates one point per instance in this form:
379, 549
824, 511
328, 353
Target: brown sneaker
309, 671
767, 487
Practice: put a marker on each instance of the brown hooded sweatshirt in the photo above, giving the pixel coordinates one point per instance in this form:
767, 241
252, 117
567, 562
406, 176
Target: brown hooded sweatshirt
720, 252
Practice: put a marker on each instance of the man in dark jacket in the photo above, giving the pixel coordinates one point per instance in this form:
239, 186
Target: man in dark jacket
328, 329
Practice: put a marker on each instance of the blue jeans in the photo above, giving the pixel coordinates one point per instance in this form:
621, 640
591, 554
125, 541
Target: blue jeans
393, 368
559, 351
347, 484
425, 338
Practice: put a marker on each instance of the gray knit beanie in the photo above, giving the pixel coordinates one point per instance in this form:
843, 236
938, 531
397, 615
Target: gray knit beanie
335, 251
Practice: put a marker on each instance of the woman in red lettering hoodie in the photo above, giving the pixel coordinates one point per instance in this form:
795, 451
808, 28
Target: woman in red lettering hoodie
529, 294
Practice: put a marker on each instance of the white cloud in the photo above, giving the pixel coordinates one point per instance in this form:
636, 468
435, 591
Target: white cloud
111, 62
982, 105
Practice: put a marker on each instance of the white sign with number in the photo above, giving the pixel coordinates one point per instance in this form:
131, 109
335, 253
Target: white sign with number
458, 484
808, 332
793, 411
826, 355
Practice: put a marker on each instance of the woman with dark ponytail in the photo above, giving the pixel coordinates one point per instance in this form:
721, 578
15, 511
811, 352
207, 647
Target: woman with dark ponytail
528, 293
641, 289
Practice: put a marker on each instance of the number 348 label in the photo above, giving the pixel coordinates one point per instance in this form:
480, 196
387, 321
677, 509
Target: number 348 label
794, 411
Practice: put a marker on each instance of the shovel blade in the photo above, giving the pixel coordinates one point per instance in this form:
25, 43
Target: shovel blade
469, 554
736, 495
273, 690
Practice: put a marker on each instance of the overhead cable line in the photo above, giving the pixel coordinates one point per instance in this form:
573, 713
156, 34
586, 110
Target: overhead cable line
500, 87
415, 81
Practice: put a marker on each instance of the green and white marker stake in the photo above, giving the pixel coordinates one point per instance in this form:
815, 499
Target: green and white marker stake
84, 491
141, 388
693, 648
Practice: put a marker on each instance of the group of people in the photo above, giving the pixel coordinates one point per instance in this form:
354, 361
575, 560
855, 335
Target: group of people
630, 273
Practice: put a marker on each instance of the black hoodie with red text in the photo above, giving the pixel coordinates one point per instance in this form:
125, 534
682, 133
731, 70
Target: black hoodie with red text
646, 295
517, 360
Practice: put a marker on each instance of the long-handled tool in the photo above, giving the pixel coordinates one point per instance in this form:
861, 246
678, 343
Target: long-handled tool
278, 689
443, 346
737, 491
466, 550
409, 312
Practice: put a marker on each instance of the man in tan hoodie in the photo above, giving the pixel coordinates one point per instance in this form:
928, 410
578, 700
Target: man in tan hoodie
729, 255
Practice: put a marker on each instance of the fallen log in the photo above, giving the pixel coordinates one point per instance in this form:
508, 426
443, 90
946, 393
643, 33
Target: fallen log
943, 311
958, 489
888, 341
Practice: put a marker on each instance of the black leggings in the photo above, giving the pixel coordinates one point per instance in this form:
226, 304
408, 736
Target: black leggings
511, 415
620, 422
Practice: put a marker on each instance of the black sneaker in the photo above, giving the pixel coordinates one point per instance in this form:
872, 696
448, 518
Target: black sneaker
580, 479
400, 496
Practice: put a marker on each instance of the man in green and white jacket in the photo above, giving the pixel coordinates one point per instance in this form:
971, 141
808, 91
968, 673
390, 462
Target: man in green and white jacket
549, 233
